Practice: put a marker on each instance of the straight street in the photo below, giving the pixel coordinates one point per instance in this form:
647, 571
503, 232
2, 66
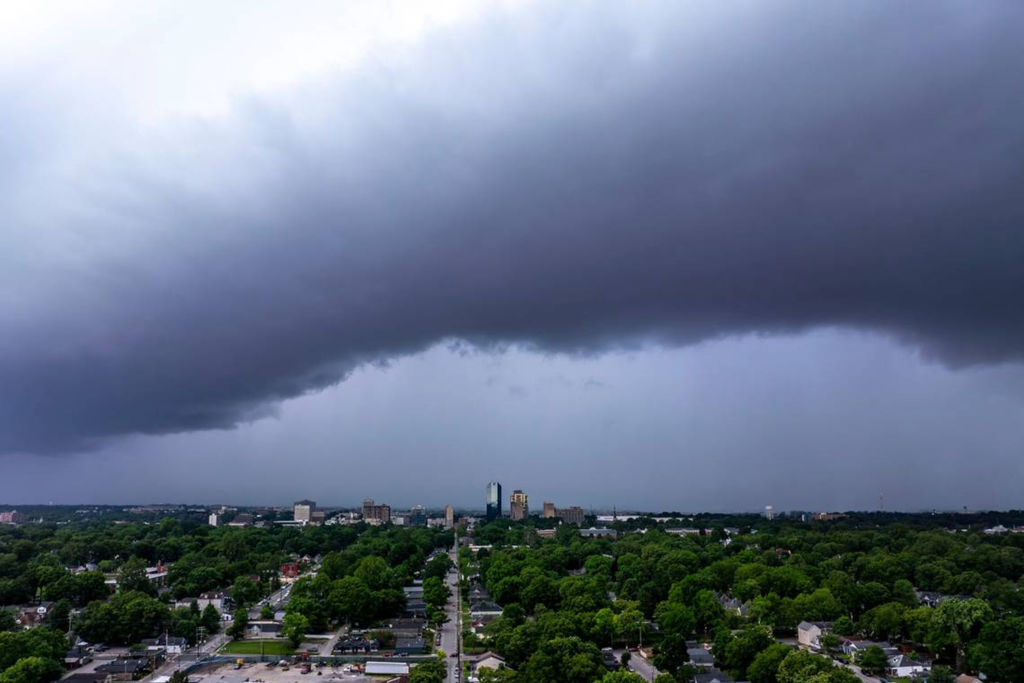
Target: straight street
451, 630
277, 600
193, 654
638, 664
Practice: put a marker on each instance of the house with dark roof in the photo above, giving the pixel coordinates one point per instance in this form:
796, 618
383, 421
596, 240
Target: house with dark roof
77, 656
416, 625
733, 605
172, 645
356, 644
410, 646
713, 676
264, 628
700, 657
484, 608
856, 647
125, 668
85, 677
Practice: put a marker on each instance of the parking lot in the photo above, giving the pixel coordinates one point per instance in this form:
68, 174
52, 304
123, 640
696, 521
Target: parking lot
264, 673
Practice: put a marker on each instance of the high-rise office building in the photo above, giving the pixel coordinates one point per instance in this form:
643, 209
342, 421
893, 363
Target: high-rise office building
493, 501
519, 508
418, 516
449, 517
303, 511
374, 513
572, 515
549, 510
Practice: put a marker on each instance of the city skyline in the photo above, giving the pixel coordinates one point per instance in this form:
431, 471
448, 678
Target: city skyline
697, 256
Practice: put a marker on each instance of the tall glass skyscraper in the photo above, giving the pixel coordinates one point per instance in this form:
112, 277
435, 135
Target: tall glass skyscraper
493, 500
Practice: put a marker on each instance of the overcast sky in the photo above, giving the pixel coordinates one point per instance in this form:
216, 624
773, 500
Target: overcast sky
693, 256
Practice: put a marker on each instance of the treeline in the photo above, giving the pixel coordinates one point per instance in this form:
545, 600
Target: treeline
362, 584
666, 589
363, 571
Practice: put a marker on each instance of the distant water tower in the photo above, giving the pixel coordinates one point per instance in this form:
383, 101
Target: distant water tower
769, 512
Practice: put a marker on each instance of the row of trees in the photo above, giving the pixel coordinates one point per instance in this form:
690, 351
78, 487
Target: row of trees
130, 616
363, 571
864, 578
33, 656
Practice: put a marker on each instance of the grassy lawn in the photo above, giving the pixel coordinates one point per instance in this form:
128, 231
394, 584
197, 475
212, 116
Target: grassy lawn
252, 647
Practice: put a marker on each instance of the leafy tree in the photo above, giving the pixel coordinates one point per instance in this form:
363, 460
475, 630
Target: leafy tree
629, 625
538, 589
706, 610
838, 675
604, 626
438, 567
374, 572
239, 625
671, 654
435, 592
999, 651
801, 666
569, 660
674, 617
294, 628
309, 599
744, 647
59, 614
943, 674
956, 623
429, 671
819, 605
884, 621
903, 592
767, 609
244, 592
179, 677
765, 666
844, 626
32, 670
132, 577
622, 677
126, 618
489, 675
42, 643
7, 622
873, 660
210, 619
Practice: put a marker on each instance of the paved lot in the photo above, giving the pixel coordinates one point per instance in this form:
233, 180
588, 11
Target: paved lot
261, 673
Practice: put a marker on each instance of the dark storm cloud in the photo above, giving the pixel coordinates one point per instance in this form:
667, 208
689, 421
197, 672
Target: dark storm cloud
571, 180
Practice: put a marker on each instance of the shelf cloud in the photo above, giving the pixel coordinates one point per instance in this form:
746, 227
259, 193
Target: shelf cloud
563, 178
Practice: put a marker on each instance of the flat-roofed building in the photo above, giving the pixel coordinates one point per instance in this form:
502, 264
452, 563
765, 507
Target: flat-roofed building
572, 515
376, 513
303, 511
493, 500
519, 508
